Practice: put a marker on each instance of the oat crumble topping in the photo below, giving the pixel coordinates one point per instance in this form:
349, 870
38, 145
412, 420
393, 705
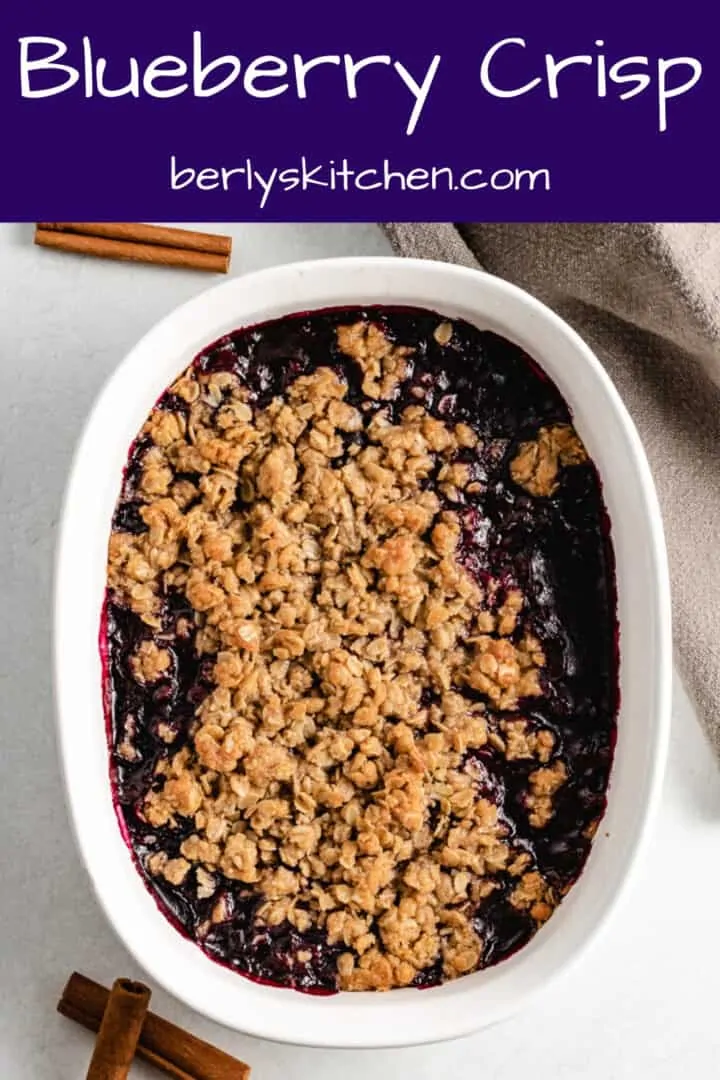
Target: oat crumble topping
537, 464
356, 669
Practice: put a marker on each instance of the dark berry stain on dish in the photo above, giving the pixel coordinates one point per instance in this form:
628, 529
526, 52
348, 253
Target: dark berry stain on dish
551, 547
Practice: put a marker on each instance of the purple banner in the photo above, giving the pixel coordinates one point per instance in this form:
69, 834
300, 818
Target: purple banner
393, 111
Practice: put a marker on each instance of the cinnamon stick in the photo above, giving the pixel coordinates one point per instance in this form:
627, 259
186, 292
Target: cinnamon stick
119, 1032
140, 233
127, 250
169, 1048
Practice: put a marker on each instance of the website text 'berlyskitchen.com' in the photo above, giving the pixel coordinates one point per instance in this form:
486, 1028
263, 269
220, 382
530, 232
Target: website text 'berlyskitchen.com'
306, 175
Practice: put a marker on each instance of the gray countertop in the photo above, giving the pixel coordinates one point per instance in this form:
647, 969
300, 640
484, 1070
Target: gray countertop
643, 1001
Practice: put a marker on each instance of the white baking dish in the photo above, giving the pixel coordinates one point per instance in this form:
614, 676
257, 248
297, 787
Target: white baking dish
401, 1017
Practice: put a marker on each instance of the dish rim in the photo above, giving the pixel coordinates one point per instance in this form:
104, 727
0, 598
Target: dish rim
353, 1021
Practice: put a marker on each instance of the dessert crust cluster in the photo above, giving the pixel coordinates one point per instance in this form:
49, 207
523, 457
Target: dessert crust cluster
359, 671
536, 466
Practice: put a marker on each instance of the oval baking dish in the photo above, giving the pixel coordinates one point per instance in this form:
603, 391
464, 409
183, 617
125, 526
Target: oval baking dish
401, 1017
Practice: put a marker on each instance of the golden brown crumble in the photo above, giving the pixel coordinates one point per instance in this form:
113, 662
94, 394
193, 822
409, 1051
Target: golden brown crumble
544, 783
537, 464
327, 768
149, 662
518, 741
383, 364
443, 333
534, 895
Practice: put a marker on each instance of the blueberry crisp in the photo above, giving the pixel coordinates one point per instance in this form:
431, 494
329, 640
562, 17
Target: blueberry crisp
360, 650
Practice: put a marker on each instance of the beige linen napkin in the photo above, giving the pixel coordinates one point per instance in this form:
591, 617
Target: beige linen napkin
647, 299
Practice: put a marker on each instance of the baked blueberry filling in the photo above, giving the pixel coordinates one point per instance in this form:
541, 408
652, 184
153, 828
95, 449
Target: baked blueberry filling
360, 646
